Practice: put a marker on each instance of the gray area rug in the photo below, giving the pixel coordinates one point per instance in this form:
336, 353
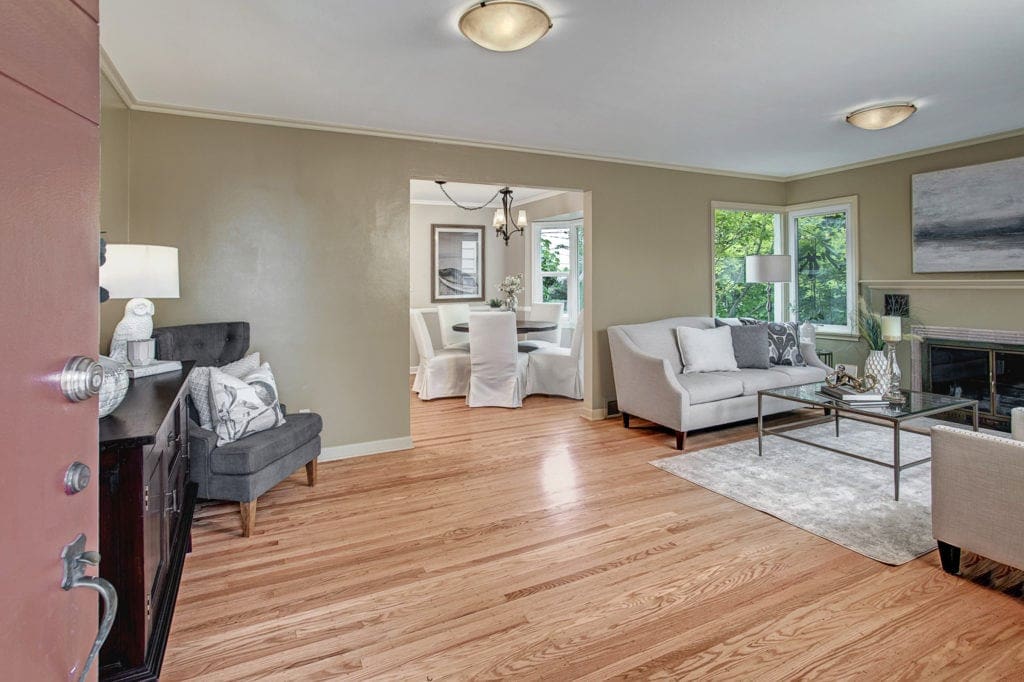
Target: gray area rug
841, 499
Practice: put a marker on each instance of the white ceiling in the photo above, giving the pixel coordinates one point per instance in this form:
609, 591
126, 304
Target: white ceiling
427, 192
736, 85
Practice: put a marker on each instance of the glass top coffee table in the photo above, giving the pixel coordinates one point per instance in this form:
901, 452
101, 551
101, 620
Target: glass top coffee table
918, 404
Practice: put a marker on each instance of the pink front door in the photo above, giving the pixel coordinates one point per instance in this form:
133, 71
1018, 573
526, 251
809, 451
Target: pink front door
49, 311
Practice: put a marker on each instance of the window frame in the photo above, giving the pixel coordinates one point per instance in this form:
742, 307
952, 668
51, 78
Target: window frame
839, 204
786, 293
779, 297
574, 225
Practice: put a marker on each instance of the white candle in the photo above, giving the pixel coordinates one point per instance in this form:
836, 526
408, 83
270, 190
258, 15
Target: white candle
892, 328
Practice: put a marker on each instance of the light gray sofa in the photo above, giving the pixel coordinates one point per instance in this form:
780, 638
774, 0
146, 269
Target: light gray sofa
650, 384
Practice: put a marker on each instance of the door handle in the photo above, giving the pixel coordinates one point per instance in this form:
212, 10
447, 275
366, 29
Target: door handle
76, 559
81, 378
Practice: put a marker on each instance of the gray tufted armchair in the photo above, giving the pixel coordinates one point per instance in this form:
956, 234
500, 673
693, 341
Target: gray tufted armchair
243, 470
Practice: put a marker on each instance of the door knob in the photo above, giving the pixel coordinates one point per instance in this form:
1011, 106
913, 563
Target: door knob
81, 378
76, 478
76, 559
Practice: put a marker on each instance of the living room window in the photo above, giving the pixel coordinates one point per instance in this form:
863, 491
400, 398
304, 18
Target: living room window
741, 231
822, 239
823, 242
558, 264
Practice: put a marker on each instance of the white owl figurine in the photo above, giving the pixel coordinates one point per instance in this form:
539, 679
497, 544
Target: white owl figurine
136, 324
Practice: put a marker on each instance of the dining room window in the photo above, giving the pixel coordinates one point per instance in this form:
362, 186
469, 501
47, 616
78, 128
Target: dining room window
558, 264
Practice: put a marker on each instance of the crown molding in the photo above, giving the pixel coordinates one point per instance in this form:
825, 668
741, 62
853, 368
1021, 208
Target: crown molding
108, 68
995, 137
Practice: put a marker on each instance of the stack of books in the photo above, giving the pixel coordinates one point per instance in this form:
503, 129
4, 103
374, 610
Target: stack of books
849, 396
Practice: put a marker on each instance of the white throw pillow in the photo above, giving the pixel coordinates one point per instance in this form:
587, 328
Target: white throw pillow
242, 407
199, 384
706, 350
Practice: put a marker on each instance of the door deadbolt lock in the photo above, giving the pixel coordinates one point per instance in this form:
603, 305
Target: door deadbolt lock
81, 378
77, 478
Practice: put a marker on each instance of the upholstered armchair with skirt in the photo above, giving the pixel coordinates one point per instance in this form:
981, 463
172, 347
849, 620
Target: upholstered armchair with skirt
978, 494
243, 470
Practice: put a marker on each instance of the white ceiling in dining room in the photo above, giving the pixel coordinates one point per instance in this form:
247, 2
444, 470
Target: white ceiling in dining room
735, 85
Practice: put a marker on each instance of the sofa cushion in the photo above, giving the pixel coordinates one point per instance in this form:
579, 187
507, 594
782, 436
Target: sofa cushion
755, 380
706, 350
259, 450
800, 375
708, 387
658, 338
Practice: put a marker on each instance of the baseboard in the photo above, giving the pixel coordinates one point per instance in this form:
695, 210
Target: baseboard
594, 415
373, 447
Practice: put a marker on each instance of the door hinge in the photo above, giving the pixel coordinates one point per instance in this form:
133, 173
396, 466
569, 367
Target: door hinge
145, 498
149, 606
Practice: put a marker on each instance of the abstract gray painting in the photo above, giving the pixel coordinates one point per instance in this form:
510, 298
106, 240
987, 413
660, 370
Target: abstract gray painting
970, 219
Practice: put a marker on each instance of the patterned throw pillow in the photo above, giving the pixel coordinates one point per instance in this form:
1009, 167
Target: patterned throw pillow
242, 407
199, 384
784, 344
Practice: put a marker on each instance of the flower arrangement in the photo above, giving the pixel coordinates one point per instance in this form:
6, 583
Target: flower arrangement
511, 287
494, 302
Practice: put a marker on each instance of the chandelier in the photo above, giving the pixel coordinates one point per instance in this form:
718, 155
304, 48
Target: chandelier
504, 225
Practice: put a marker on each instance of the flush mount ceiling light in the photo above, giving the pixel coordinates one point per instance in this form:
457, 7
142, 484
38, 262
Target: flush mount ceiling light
881, 116
504, 25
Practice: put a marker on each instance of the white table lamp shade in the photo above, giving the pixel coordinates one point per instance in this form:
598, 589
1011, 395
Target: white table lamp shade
140, 271
771, 268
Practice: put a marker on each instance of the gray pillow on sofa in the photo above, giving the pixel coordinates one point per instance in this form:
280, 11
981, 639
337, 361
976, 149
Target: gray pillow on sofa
750, 345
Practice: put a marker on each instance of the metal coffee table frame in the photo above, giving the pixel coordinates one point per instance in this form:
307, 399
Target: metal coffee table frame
806, 394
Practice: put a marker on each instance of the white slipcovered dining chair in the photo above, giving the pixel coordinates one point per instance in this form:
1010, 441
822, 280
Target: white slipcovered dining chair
558, 371
441, 374
543, 312
498, 369
449, 314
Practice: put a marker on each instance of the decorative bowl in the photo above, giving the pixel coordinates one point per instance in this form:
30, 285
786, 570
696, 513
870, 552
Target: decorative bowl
114, 386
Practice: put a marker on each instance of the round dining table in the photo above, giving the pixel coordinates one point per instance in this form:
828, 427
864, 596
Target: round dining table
522, 326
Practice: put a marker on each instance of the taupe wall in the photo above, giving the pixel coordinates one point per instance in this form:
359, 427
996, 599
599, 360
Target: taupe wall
306, 235
115, 182
885, 244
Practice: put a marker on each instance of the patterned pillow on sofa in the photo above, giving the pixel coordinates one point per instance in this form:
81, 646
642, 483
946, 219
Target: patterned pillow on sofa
784, 344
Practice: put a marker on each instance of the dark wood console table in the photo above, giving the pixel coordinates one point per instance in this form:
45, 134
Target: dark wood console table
146, 505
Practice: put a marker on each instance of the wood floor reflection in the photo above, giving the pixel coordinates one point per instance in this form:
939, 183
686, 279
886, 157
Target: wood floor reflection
534, 544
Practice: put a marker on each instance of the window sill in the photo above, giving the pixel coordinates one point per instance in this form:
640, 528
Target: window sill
837, 336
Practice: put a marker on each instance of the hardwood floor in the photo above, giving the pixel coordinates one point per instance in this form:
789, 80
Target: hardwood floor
534, 544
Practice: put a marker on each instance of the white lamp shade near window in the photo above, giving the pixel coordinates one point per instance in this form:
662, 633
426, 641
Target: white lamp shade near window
140, 271
772, 268
521, 220
499, 218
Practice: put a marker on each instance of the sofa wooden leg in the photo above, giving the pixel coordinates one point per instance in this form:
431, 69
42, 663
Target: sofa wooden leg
680, 440
950, 557
248, 510
625, 420
311, 472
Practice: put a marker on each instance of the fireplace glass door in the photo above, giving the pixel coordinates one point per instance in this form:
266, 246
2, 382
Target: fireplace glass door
1009, 381
962, 372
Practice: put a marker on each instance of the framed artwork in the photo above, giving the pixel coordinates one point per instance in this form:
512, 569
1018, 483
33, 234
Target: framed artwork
969, 219
457, 263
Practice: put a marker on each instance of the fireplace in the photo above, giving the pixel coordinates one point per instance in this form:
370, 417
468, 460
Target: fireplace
983, 365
